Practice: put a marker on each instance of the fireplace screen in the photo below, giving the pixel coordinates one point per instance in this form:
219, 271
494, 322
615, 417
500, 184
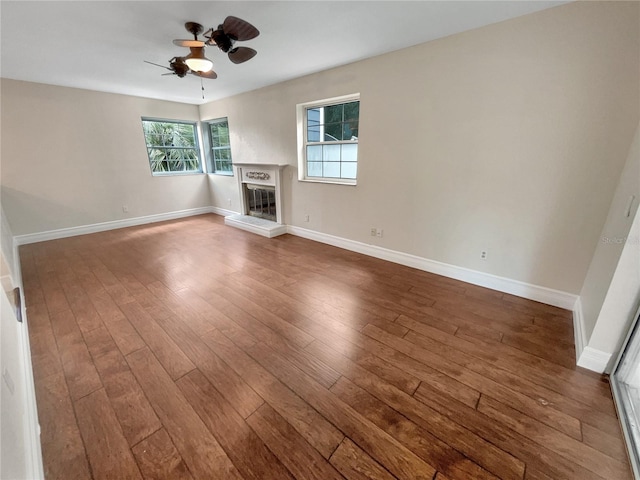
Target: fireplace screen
261, 201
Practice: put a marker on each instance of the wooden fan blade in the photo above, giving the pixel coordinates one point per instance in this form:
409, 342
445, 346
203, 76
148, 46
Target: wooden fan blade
210, 74
241, 54
158, 65
188, 43
239, 29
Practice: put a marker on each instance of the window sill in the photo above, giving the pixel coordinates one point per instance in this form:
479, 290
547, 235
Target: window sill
174, 174
336, 181
222, 174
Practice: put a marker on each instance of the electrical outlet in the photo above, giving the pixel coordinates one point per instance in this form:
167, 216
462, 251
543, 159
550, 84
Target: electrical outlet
125, 209
306, 217
484, 254
374, 231
229, 201
379, 232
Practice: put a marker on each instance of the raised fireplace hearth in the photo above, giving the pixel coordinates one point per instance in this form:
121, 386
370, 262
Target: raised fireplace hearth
260, 187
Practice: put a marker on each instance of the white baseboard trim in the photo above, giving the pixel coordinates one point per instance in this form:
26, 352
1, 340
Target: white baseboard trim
223, 211
101, 227
549, 296
587, 357
593, 359
579, 333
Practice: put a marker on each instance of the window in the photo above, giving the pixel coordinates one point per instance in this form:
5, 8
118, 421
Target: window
220, 161
328, 140
172, 146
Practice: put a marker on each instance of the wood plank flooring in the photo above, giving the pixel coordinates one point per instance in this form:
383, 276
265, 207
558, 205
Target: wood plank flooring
191, 350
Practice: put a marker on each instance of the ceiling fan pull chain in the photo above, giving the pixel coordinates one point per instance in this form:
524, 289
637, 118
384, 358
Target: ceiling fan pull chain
202, 86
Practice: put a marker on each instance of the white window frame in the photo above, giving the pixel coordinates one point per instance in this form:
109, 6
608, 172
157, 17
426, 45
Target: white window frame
301, 120
196, 147
208, 141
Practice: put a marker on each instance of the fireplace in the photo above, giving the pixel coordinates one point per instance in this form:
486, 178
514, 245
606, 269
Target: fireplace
260, 186
261, 201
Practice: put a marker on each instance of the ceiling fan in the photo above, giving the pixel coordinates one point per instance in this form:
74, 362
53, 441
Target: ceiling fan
232, 30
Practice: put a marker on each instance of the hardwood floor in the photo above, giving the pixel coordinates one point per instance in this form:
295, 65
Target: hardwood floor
192, 350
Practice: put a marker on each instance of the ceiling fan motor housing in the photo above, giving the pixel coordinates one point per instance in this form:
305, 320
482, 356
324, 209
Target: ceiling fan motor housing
179, 67
222, 40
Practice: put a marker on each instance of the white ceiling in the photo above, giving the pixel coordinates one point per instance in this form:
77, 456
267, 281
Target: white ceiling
101, 45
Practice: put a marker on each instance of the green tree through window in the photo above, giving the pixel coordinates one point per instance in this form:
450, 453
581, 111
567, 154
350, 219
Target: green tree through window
220, 147
172, 146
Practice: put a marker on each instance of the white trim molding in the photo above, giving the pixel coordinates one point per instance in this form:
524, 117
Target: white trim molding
104, 226
31, 428
593, 359
579, 332
537, 293
587, 357
546, 295
223, 212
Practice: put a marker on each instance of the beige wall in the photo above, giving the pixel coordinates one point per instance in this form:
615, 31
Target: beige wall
607, 306
622, 299
509, 138
74, 157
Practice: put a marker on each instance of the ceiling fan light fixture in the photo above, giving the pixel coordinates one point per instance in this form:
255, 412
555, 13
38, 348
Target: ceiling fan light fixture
196, 60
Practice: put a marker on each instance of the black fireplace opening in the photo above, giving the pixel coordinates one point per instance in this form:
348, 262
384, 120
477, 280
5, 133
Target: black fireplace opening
261, 201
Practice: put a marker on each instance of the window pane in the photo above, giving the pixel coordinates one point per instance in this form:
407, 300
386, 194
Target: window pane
313, 133
223, 166
327, 127
349, 152
314, 153
219, 134
350, 130
333, 114
314, 169
351, 111
220, 146
349, 169
158, 166
351, 118
331, 153
313, 124
223, 132
172, 146
222, 153
155, 154
331, 169
183, 135
332, 132
175, 166
313, 116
